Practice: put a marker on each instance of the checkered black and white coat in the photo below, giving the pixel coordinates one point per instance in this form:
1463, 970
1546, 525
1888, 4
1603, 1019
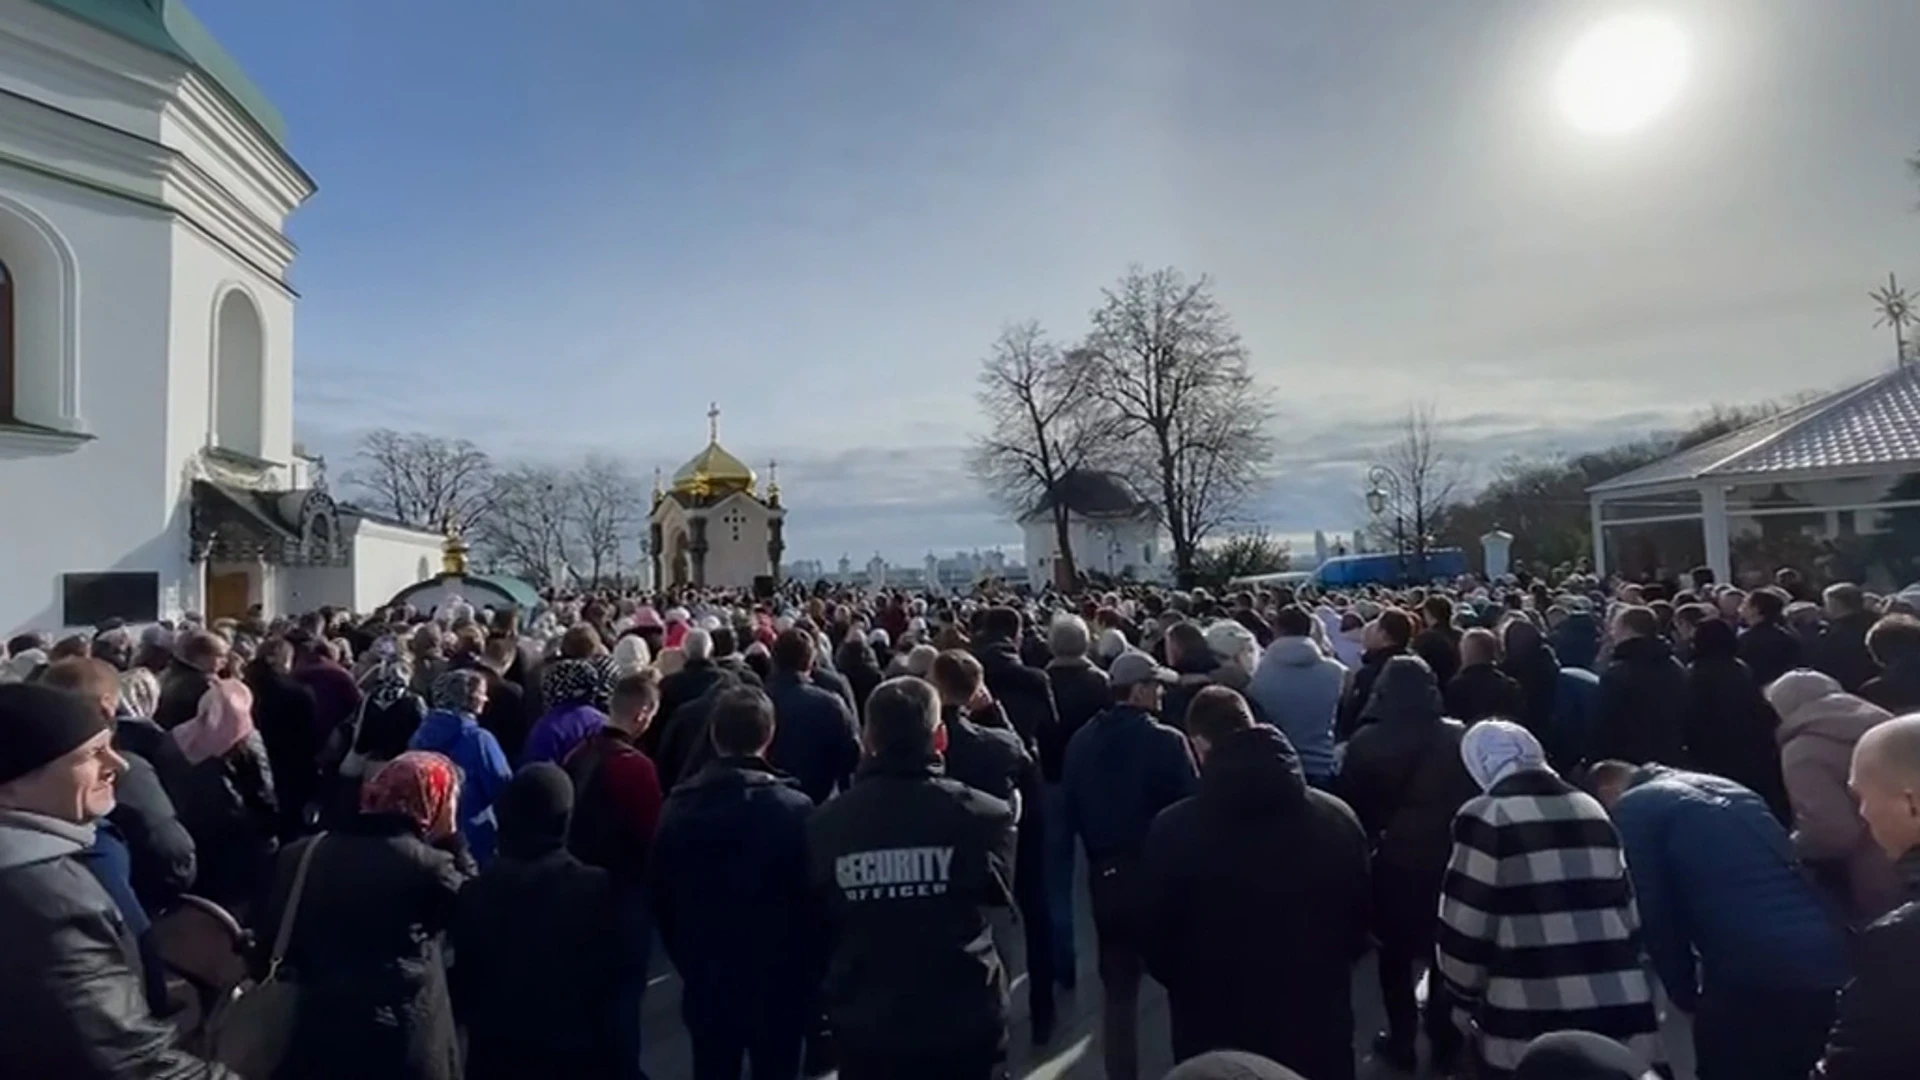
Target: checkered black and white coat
1538, 929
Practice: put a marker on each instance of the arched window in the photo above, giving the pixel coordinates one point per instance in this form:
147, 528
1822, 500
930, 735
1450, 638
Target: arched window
239, 375
8, 414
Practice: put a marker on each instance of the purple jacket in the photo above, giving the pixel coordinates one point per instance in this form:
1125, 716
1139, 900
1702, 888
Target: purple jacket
556, 734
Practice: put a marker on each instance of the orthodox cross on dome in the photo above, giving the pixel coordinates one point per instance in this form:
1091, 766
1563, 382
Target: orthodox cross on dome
713, 421
773, 478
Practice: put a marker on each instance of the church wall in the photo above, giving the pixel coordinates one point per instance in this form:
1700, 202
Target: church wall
1104, 546
108, 503
387, 559
81, 69
735, 563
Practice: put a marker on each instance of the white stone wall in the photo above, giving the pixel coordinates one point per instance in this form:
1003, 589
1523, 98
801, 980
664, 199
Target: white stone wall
387, 559
1105, 546
737, 536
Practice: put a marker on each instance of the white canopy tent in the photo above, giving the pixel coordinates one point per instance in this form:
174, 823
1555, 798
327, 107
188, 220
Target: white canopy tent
1841, 471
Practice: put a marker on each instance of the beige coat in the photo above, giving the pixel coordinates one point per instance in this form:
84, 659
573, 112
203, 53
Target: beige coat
1816, 754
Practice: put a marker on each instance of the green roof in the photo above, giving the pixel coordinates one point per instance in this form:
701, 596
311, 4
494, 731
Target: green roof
167, 26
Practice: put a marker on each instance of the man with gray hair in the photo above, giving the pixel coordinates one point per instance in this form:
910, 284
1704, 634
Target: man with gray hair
1080, 693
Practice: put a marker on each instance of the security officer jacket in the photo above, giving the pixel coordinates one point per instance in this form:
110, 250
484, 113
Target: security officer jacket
907, 861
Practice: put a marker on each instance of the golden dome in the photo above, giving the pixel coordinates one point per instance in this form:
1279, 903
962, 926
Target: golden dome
713, 472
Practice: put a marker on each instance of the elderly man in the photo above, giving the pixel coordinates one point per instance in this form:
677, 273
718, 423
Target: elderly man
72, 980
1875, 1037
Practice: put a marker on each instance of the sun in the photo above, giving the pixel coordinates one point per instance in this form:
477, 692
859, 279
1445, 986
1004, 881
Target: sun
1622, 74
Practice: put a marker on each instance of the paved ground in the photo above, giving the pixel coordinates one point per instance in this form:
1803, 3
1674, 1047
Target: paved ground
1074, 1053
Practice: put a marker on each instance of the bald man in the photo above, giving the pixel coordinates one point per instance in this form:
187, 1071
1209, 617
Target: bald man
1875, 1037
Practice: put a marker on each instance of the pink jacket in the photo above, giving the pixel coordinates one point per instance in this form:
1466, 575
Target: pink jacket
1816, 754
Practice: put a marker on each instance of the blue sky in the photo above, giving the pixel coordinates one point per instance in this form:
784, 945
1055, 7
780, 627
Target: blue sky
567, 227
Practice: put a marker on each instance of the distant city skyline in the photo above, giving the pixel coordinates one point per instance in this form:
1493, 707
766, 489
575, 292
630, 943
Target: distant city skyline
821, 216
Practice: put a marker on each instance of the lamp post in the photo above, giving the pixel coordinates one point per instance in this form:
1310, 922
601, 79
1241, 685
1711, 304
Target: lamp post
1383, 484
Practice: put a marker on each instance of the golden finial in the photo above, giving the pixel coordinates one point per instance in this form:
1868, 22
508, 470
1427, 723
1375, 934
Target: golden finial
453, 553
713, 422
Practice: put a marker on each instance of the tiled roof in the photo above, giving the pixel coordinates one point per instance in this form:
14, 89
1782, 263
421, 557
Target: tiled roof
1874, 424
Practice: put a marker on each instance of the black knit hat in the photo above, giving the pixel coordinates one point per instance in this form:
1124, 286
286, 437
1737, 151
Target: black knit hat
534, 809
39, 725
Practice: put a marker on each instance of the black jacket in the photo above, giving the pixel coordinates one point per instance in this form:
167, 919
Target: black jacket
366, 953
1841, 651
688, 684
732, 897
685, 746
534, 964
283, 711
987, 756
1537, 670
1897, 687
1771, 650
158, 845
1360, 690
1439, 646
1080, 693
908, 860
1256, 910
228, 804
181, 688
816, 739
1874, 1036
1730, 730
75, 1005
506, 713
1483, 691
1194, 674
1023, 691
1404, 778
1641, 715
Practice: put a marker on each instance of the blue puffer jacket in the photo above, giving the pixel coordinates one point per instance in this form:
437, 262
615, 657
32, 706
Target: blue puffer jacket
1716, 876
1576, 696
484, 773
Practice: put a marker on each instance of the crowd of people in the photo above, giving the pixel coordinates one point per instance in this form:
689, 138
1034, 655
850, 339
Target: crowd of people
454, 838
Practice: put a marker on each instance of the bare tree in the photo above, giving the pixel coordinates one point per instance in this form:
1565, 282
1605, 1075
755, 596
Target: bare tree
426, 481
1414, 484
605, 505
527, 527
1190, 417
1044, 422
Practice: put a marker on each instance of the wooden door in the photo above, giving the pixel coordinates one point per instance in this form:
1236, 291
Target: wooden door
228, 596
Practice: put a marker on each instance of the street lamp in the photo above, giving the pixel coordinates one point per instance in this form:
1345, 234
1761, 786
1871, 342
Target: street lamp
1384, 484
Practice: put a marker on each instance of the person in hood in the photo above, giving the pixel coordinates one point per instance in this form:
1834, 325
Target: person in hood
1404, 778
1531, 663
72, 981
734, 902
1298, 688
1256, 901
1739, 935
1538, 931
1641, 713
533, 975
1874, 1036
1819, 726
1895, 644
1730, 728
908, 861
1576, 641
452, 729
1480, 690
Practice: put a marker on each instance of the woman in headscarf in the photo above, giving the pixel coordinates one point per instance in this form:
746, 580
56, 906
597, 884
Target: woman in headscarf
453, 730
578, 692
390, 712
630, 653
856, 661
139, 693
366, 948
225, 794
1538, 930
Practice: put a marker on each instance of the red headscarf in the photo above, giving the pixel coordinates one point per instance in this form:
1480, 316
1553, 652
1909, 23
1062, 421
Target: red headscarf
418, 784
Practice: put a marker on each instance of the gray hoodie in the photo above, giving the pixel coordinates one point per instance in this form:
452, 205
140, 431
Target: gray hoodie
1298, 688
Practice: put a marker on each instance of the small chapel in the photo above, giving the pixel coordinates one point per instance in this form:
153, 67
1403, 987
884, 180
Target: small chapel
712, 528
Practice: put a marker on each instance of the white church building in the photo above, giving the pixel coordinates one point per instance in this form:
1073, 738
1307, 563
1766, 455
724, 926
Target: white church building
713, 527
1112, 530
147, 461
